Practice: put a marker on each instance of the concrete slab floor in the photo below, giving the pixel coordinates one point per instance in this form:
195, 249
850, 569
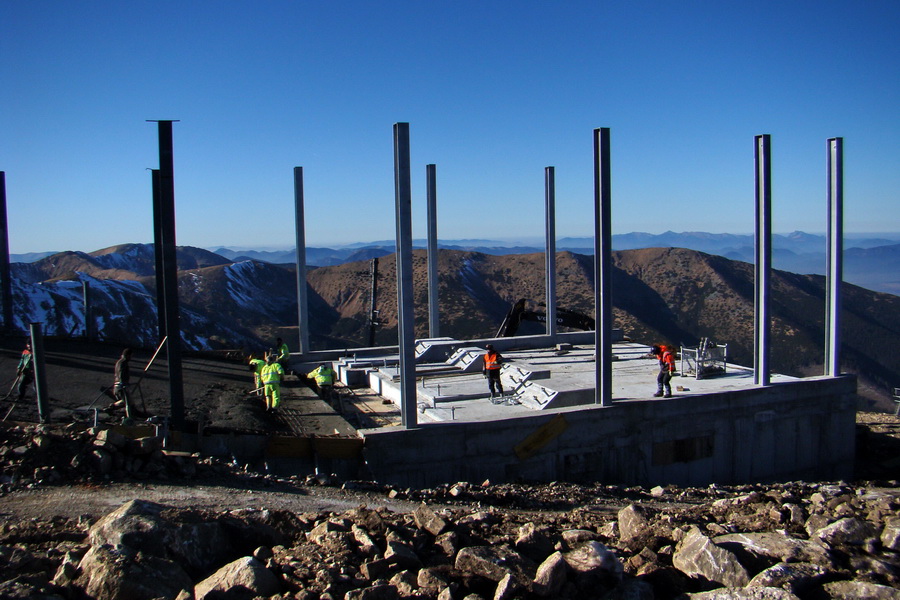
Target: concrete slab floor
448, 396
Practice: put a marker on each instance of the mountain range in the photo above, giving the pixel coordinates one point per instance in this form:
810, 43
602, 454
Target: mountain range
673, 295
872, 262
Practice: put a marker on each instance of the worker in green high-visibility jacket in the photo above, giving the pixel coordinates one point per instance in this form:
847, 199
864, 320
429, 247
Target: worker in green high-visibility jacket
282, 354
324, 376
271, 376
256, 367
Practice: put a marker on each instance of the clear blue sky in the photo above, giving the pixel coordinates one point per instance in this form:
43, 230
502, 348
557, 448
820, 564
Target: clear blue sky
493, 91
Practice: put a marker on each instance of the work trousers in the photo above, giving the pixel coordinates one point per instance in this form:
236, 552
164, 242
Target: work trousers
273, 395
663, 381
493, 376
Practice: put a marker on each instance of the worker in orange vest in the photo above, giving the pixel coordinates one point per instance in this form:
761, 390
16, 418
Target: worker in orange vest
491, 370
666, 357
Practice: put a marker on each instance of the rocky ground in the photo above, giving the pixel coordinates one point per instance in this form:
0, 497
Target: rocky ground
85, 513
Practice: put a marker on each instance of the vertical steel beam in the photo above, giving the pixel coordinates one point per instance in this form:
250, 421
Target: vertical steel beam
40, 372
158, 258
835, 267
170, 273
300, 230
5, 275
603, 266
373, 302
763, 262
88, 310
550, 248
433, 308
405, 316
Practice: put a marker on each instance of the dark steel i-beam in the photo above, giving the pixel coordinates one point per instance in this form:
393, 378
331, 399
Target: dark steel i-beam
763, 263
5, 281
603, 266
166, 233
300, 231
158, 258
40, 372
550, 249
835, 267
431, 194
88, 311
406, 332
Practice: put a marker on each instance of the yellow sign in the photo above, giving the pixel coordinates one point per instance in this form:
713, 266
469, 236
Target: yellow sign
540, 438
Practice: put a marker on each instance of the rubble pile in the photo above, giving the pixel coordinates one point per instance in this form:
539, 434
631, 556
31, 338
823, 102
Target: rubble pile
805, 541
33, 455
464, 541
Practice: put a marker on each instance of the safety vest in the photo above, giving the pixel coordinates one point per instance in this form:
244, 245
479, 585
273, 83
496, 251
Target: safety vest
25, 361
257, 365
283, 352
323, 375
491, 361
667, 360
272, 374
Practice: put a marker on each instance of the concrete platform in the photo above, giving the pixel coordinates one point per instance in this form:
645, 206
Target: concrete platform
549, 425
537, 379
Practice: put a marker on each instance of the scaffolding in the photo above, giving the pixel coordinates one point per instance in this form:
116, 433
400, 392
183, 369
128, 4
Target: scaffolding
705, 360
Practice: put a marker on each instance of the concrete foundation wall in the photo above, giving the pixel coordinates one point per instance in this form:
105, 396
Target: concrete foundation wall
798, 430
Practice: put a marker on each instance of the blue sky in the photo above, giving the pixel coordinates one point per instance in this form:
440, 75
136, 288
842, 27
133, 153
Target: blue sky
494, 92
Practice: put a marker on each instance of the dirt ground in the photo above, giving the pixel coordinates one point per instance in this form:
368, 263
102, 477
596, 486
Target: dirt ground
215, 386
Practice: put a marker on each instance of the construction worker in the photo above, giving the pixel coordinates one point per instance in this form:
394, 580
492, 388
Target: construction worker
272, 374
121, 377
282, 354
25, 371
324, 376
666, 357
256, 367
491, 369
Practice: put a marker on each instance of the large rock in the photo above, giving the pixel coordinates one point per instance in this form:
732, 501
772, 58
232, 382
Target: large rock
428, 520
632, 522
697, 556
758, 551
139, 524
121, 573
533, 543
849, 531
890, 535
858, 590
755, 593
551, 576
494, 562
243, 579
595, 558
797, 578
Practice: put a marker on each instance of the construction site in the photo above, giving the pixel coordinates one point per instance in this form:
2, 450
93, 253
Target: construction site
575, 406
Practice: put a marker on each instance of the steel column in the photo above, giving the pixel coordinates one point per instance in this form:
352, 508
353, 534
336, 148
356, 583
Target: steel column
835, 260
763, 262
88, 309
433, 307
5, 275
166, 233
40, 372
300, 230
550, 248
405, 316
603, 266
158, 258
